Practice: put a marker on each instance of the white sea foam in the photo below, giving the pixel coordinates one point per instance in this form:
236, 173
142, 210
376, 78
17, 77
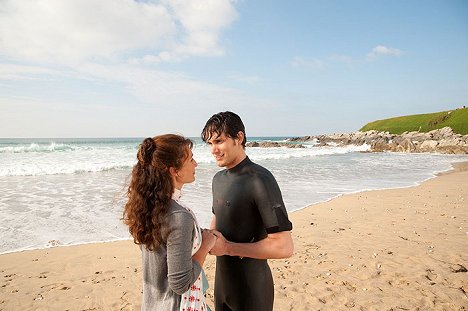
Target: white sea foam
34, 147
76, 192
59, 158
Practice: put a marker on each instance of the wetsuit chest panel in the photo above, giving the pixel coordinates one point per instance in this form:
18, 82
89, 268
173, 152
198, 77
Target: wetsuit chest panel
236, 214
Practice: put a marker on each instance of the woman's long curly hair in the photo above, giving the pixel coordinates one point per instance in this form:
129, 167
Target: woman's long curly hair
151, 187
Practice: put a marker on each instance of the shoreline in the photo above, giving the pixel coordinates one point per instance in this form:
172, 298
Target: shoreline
399, 248
434, 174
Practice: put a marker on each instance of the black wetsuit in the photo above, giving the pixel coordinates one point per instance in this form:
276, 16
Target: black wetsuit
248, 205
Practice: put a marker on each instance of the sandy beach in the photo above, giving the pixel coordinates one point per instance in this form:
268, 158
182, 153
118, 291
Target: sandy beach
396, 249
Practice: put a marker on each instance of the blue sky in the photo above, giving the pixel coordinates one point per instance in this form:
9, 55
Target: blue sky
123, 68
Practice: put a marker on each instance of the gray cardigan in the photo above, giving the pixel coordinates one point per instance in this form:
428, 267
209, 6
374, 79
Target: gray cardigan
169, 270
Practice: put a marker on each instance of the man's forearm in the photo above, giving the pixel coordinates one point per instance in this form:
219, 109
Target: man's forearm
275, 246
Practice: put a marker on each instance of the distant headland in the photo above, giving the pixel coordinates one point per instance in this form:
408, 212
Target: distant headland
441, 132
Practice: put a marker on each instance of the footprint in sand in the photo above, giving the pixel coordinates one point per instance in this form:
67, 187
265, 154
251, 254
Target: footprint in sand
458, 268
55, 286
9, 275
431, 276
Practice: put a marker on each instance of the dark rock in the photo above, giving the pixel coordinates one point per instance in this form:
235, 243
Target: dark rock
442, 140
272, 144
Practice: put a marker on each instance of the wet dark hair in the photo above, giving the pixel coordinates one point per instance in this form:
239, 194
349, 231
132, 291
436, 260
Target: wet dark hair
227, 123
151, 187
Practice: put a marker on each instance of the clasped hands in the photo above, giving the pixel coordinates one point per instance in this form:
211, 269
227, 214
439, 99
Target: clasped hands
215, 242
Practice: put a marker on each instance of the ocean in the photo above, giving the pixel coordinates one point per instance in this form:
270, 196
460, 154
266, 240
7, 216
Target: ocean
72, 191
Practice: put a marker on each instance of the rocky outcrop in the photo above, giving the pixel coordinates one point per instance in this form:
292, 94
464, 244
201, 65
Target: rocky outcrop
441, 141
269, 144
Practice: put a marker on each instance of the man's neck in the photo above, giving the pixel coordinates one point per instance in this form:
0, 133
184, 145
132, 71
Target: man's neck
238, 160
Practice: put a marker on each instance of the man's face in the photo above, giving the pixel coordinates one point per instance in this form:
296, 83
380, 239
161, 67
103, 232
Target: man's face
227, 151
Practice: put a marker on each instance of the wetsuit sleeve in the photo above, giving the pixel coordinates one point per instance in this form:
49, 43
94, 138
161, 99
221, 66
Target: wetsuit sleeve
182, 271
269, 201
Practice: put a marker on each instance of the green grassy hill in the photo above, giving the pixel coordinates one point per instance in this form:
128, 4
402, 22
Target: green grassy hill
456, 119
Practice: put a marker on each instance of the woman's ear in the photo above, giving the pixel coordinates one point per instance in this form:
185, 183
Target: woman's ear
173, 172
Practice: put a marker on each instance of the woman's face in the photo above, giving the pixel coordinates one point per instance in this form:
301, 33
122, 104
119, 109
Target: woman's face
186, 174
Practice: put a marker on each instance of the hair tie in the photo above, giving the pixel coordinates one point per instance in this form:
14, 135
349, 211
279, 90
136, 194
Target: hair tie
147, 148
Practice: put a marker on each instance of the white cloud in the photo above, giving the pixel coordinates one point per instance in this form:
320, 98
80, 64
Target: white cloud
383, 50
105, 41
108, 42
202, 20
76, 30
22, 72
167, 89
307, 63
159, 102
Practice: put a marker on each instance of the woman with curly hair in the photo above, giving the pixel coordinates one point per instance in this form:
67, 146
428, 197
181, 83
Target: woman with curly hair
172, 245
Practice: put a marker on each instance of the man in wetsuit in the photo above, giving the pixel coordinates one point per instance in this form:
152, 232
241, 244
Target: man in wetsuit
249, 219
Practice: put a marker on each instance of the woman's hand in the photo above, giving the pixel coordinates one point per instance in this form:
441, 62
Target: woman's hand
208, 239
